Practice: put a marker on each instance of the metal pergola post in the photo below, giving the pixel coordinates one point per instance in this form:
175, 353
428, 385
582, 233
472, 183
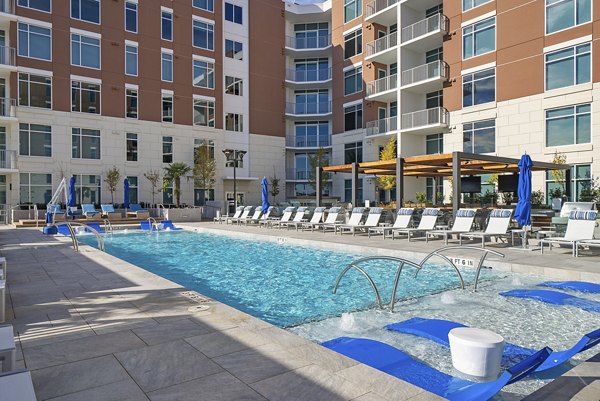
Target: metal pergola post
456, 195
568, 184
354, 184
399, 183
318, 183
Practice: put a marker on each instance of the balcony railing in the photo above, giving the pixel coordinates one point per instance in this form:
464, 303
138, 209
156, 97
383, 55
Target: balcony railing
382, 85
377, 5
8, 56
424, 118
308, 43
293, 174
308, 142
8, 159
319, 75
8, 107
308, 108
435, 69
382, 126
382, 44
438, 22
7, 6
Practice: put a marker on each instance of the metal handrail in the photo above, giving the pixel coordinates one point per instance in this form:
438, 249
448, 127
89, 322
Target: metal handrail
35, 213
424, 72
153, 224
108, 226
70, 224
437, 22
304, 76
375, 6
382, 84
423, 118
382, 126
382, 44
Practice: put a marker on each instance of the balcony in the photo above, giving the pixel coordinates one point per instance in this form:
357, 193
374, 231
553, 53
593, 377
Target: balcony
312, 142
426, 78
427, 121
293, 174
426, 34
383, 50
383, 89
308, 46
8, 109
7, 11
382, 12
8, 58
8, 160
319, 78
308, 109
384, 126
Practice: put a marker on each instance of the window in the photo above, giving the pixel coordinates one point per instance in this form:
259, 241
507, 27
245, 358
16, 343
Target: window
479, 137
207, 5
569, 125
167, 149
353, 43
435, 10
42, 5
35, 188
35, 140
234, 122
35, 91
233, 86
167, 108
429, 183
88, 188
353, 81
86, 10
85, 97
311, 36
85, 51
353, 117
352, 9
233, 13
203, 35
85, 143
469, 4
568, 67
133, 189
434, 55
311, 134
348, 191
204, 112
166, 25
168, 192
208, 144
131, 16
167, 66
233, 49
479, 38
131, 147
434, 144
313, 101
311, 70
479, 87
353, 152
204, 74
131, 60
434, 99
131, 103
581, 180
35, 42
563, 14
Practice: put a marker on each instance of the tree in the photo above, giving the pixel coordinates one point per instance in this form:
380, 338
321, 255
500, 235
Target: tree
174, 172
319, 159
274, 181
387, 182
113, 177
154, 177
559, 175
205, 168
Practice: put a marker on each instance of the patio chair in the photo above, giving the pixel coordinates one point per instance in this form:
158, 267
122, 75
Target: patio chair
57, 212
88, 210
403, 219
135, 210
298, 218
355, 218
580, 227
109, 212
244, 215
236, 214
497, 227
373, 218
316, 218
255, 216
462, 224
260, 218
332, 217
427, 223
287, 215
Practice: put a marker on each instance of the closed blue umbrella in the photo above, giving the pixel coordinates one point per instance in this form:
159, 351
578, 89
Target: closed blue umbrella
126, 193
71, 195
523, 209
264, 184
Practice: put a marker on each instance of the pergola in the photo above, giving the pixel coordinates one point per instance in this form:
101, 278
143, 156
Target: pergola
452, 165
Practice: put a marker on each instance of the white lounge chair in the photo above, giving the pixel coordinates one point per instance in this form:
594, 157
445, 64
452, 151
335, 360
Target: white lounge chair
287, 216
355, 218
332, 217
428, 220
255, 216
88, 210
244, 215
462, 224
372, 221
403, 219
316, 217
264, 217
580, 231
497, 227
16, 385
8, 351
109, 212
298, 218
236, 214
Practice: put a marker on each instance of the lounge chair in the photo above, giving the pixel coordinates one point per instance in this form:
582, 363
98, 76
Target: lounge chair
17, 385
403, 219
497, 227
332, 217
285, 217
316, 217
260, 218
255, 216
555, 298
238, 213
88, 210
580, 227
109, 212
581, 286
427, 223
135, 210
355, 218
298, 218
462, 224
394, 362
372, 221
437, 330
244, 215
57, 212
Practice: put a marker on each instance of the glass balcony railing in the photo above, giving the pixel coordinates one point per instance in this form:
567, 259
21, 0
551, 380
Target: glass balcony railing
8, 107
308, 108
382, 126
308, 142
294, 174
8, 56
8, 159
317, 75
308, 42
377, 5
438, 22
382, 44
424, 118
436, 69
382, 85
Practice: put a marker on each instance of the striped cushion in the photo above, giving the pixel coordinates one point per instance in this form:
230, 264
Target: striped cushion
430, 212
504, 213
319, 209
465, 213
289, 209
583, 215
358, 210
302, 209
240, 208
335, 209
248, 208
405, 211
376, 210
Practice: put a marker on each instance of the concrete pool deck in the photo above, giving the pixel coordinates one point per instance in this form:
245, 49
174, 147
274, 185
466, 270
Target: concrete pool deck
91, 327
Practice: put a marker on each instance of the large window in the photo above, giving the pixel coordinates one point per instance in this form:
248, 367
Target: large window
479, 38
131, 60
353, 152
203, 35
352, 9
563, 14
479, 137
234, 122
348, 191
353, 43
311, 134
353, 80
581, 179
35, 140
434, 55
42, 5
131, 103
568, 67
85, 51
429, 184
131, 147
234, 86
167, 107
133, 189
88, 188
35, 91
35, 41
311, 70
233, 13
85, 97
469, 4
207, 5
434, 144
167, 149
86, 10
35, 188
131, 16
85, 143
434, 99
204, 112
569, 125
166, 25
353, 118
479, 87
167, 66
312, 101
234, 49
204, 74
311, 36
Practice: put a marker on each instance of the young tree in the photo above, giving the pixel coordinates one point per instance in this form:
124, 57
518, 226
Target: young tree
559, 175
174, 172
274, 181
113, 176
387, 182
154, 177
205, 168
319, 159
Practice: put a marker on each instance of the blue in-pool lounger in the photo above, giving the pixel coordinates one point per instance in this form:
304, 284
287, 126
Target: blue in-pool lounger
555, 298
437, 330
166, 225
394, 362
580, 286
